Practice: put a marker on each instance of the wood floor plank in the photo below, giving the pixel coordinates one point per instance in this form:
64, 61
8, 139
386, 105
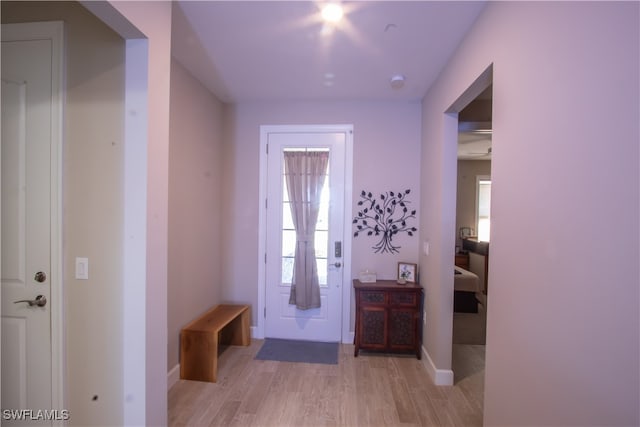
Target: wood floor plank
403, 403
426, 411
257, 393
368, 390
225, 415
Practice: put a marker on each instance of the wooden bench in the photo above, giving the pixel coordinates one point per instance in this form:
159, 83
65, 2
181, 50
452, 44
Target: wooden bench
226, 324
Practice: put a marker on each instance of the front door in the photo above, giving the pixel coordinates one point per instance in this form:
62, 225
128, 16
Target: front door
29, 120
283, 319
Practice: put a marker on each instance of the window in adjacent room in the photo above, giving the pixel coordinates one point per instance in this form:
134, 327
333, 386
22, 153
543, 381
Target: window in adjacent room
483, 197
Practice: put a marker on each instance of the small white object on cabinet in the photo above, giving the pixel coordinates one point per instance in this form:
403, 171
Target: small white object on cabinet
367, 276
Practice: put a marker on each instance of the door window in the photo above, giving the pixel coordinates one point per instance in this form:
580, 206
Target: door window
321, 234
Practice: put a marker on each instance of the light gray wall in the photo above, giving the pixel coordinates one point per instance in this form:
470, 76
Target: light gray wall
195, 204
386, 140
563, 330
92, 208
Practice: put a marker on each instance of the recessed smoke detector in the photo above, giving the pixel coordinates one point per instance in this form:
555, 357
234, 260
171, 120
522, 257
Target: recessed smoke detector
397, 81
328, 79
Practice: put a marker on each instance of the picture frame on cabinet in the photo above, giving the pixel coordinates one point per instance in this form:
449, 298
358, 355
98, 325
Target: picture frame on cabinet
407, 272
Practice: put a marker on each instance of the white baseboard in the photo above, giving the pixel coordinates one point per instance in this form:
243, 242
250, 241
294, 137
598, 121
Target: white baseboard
254, 332
348, 340
173, 376
350, 337
438, 376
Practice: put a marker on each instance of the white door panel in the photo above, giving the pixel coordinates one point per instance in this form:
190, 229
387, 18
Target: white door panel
14, 362
284, 320
27, 140
13, 183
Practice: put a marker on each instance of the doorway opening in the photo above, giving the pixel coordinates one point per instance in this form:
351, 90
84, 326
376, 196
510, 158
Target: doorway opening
473, 219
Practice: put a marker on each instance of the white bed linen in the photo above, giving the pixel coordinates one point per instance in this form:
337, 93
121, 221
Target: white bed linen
466, 281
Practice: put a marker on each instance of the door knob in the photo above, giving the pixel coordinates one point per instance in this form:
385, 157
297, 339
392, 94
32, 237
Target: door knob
40, 277
337, 264
40, 301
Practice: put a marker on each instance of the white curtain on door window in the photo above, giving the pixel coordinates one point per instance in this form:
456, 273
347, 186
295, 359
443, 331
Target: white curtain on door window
305, 173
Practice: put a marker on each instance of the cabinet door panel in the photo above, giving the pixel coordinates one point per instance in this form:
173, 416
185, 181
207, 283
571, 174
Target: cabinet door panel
372, 333
402, 329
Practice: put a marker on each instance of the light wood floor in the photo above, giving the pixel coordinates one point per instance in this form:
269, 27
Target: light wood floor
370, 390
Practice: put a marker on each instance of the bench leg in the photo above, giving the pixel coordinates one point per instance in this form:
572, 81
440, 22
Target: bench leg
237, 332
213, 376
199, 356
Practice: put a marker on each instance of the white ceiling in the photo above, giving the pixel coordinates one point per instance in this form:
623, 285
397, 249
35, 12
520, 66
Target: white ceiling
275, 50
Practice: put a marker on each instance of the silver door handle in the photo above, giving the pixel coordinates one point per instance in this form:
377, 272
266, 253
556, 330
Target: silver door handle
40, 301
337, 264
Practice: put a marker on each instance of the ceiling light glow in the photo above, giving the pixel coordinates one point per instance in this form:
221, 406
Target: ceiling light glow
332, 12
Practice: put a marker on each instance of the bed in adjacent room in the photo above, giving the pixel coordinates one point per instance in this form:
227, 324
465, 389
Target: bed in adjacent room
467, 291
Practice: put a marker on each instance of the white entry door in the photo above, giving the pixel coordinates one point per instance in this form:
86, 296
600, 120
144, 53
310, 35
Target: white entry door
29, 187
282, 319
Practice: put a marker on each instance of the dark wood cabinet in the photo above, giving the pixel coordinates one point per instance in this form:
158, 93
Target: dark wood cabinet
388, 317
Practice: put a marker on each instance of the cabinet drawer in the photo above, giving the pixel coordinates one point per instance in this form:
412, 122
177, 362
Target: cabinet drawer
409, 299
373, 297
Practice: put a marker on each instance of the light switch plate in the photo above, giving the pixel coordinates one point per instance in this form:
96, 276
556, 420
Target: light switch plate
82, 268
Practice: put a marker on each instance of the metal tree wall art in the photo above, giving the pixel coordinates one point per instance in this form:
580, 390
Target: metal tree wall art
384, 216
